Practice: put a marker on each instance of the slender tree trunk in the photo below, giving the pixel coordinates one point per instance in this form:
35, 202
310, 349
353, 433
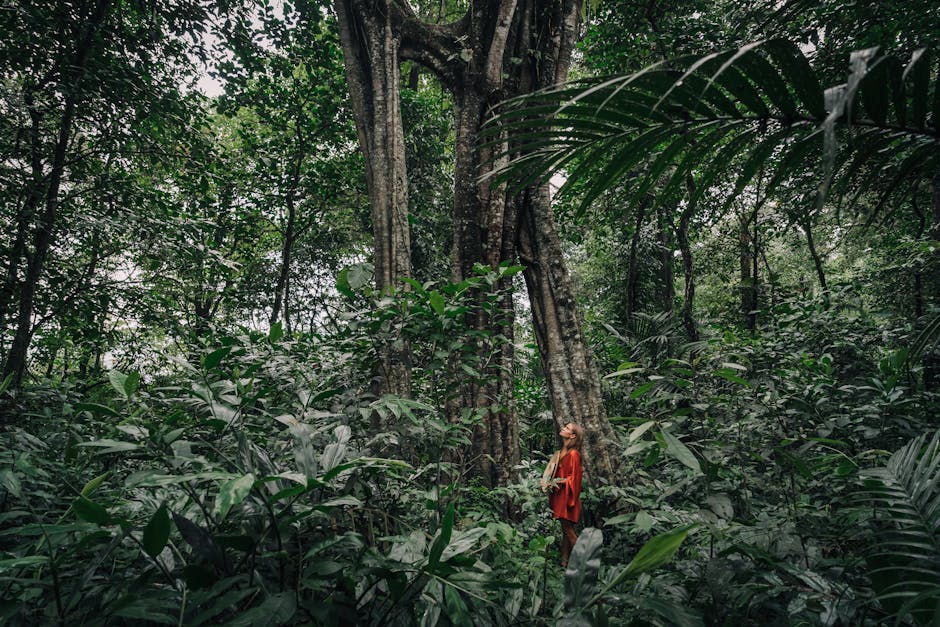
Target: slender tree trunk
280, 288
74, 72
666, 274
633, 263
744, 258
31, 201
771, 278
16, 359
755, 275
817, 260
682, 235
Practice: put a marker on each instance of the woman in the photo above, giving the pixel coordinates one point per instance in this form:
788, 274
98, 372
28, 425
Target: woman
565, 498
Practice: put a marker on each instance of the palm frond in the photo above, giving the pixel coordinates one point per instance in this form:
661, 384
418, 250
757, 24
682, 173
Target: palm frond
725, 118
905, 560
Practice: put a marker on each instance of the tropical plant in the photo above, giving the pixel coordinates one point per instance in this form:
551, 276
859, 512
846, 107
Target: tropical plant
904, 561
727, 115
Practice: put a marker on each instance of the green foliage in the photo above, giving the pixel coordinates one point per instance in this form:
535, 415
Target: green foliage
704, 115
905, 501
246, 487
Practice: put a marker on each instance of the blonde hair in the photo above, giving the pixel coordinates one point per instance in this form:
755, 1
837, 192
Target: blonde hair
578, 431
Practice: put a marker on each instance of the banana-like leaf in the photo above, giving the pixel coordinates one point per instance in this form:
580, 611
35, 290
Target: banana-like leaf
729, 117
904, 564
582, 572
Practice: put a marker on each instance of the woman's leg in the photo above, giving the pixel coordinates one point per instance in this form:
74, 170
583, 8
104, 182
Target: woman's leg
568, 540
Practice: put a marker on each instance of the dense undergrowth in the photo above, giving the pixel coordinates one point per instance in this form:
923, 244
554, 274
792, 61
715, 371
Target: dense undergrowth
255, 480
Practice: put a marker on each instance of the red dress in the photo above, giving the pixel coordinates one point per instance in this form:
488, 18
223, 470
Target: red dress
565, 499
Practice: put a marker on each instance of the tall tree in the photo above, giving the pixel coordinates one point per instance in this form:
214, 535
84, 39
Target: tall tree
493, 51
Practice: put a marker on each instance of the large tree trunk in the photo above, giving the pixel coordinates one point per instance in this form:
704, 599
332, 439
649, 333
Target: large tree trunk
371, 50
573, 384
497, 50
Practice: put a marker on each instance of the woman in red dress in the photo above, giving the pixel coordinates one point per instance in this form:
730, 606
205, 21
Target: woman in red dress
565, 498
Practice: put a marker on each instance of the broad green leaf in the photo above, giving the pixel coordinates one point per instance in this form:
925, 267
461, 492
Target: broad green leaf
111, 446
333, 454
340, 501
456, 609
92, 485
144, 611
131, 383
276, 332
728, 374
637, 433
97, 408
640, 390
90, 511
232, 493
721, 505
10, 482
171, 436
277, 609
342, 284
656, 552
359, 275
201, 541
583, 569
157, 532
150, 479
619, 519
442, 539
22, 562
681, 452
6, 383
643, 521
463, 542
118, 381
437, 302
214, 358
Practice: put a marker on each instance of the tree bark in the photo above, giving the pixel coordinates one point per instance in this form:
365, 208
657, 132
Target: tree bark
371, 42
573, 384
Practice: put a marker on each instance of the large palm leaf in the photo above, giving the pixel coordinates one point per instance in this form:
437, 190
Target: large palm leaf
727, 116
905, 560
